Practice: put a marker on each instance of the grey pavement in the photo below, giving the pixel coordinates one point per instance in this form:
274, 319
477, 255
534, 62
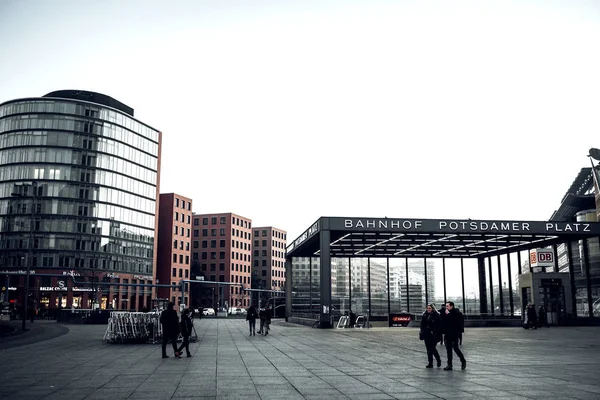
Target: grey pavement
297, 362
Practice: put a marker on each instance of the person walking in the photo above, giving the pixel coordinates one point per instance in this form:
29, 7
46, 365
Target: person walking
453, 327
531, 317
251, 316
541, 315
265, 320
170, 328
186, 325
430, 333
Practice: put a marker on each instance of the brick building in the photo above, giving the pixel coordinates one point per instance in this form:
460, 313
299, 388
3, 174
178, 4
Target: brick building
174, 245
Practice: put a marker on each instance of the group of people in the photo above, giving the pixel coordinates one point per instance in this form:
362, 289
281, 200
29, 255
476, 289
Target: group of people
446, 327
264, 315
172, 327
533, 320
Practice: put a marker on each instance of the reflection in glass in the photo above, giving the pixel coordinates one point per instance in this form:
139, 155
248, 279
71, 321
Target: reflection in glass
360, 294
379, 290
398, 285
472, 297
416, 285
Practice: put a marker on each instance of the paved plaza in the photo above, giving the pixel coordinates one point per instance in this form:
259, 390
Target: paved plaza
297, 362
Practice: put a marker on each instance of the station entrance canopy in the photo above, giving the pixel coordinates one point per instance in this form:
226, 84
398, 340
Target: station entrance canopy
432, 238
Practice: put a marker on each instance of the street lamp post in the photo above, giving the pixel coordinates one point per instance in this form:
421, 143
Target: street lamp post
29, 250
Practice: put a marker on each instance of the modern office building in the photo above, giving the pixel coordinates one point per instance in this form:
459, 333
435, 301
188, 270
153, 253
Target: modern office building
174, 246
222, 253
79, 184
268, 257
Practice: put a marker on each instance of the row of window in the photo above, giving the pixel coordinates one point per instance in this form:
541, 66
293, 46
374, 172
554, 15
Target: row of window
274, 233
46, 122
222, 221
181, 244
181, 231
213, 256
181, 271
180, 258
183, 205
263, 263
264, 243
182, 217
274, 253
67, 174
53, 260
234, 278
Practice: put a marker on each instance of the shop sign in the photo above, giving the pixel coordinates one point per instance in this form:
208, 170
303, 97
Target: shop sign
460, 226
146, 277
541, 258
112, 275
400, 319
71, 273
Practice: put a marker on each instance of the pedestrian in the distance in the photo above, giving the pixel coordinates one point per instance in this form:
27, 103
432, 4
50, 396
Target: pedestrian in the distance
186, 325
265, 320
251, 316
170, 328
453, 328
541, 315
431, 330
531, 317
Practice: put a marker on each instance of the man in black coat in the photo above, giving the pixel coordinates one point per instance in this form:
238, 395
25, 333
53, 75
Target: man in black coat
170, 328
453, 326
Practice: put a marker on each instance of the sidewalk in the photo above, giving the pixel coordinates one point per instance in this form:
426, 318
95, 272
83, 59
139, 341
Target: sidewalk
297, 362
36, 332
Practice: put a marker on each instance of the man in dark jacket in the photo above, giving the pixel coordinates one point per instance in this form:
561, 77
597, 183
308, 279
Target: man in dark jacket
170, 328
186, 331
453, 326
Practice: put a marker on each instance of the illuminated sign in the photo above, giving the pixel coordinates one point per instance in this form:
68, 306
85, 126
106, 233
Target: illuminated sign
400, 319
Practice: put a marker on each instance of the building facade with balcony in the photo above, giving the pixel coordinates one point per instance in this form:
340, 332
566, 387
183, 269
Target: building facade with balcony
79, 184
174, 246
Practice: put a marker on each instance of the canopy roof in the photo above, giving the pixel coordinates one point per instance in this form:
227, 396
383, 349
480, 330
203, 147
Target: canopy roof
432, 238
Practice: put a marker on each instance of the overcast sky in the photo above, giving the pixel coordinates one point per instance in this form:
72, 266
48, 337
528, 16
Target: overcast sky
285, 111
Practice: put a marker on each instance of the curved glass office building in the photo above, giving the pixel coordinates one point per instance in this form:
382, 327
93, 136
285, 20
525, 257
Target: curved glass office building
79, 184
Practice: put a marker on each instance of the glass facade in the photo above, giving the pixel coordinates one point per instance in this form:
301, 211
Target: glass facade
78, 184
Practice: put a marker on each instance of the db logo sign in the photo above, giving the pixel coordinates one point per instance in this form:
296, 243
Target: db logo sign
541, 258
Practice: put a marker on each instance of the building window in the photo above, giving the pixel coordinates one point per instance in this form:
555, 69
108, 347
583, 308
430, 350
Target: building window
176, 202
213, 220
187, 260
204, 255
222, 243
221, 266
174, 244
213, 255
196, 233
181, 259
221, 255
205, 221
213, 232
204, 232
223, 220
196, 221
256, 243
195, 244
186, 273
205, 244
264, 232
183, 204
176, 216
174, 271
264, 243
213, 244
174, 258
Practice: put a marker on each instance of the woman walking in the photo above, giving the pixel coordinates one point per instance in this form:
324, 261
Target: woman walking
430, 333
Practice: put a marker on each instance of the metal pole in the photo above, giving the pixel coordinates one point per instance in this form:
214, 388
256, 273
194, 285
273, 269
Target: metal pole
29, 254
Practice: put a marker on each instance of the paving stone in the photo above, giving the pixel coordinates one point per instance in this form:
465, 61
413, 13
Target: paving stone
300, 362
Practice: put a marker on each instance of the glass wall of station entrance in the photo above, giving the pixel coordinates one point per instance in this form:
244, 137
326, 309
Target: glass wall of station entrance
394, 285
